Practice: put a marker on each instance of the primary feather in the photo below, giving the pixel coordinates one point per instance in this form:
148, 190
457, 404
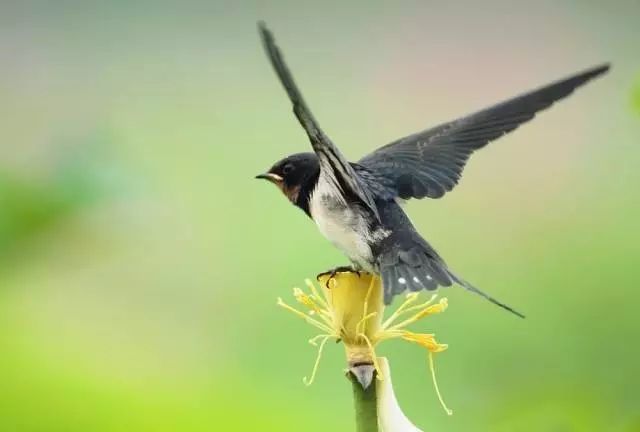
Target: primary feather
430, 163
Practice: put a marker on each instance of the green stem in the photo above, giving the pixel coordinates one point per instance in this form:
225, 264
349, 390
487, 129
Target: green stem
365, 405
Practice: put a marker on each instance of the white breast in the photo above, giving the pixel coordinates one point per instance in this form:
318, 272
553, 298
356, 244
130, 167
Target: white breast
343, 225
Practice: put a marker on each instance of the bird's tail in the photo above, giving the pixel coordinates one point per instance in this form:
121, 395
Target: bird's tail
418, 269
466, 285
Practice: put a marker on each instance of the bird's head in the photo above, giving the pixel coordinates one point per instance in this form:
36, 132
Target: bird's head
294, 174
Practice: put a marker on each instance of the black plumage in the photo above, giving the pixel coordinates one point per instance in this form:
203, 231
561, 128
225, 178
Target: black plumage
356, 205
430, 163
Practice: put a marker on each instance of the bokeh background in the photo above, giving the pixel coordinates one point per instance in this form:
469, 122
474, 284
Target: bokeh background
140, 261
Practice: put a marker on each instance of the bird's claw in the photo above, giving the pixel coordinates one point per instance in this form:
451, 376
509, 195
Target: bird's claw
332, 273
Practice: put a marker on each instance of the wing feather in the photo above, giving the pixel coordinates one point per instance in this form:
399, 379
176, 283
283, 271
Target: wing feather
331, 159
430, 163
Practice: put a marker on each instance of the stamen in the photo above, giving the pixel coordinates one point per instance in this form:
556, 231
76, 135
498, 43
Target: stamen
410, 299
388, 334
363, 322
421, 305
313, 340
305, 317
309, 381
400, 313
306, 299
435, 384
319, 298
429, 310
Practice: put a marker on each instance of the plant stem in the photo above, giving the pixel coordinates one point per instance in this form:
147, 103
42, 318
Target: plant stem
365, 403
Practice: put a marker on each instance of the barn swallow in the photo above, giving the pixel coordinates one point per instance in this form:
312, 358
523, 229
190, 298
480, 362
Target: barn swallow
357, 206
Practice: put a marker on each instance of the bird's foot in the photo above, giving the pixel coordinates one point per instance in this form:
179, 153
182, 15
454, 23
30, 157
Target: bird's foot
332, 273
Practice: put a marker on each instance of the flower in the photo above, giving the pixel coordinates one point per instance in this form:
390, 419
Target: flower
350, 310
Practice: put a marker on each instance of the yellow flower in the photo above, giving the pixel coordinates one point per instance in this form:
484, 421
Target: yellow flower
350, 309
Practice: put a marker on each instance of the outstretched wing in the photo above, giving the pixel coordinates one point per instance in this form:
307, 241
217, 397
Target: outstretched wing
430, 163
331, 160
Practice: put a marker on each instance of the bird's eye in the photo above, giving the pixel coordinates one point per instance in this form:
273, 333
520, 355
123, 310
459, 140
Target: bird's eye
287, 169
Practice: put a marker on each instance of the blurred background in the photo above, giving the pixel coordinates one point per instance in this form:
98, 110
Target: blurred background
140, 261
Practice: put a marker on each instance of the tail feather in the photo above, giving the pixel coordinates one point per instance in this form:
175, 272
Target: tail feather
412, 277
414, 274
386, 282
466, 285
416, 269
437, 270
398, 286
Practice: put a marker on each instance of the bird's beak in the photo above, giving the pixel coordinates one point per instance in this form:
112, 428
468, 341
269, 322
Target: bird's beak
273, 178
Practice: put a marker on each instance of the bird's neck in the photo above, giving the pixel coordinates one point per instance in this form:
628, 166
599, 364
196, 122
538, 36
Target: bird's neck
306, 189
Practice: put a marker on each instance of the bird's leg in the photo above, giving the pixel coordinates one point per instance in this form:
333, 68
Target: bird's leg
333, 272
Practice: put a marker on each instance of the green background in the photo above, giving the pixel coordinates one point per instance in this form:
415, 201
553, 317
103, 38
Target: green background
140, 261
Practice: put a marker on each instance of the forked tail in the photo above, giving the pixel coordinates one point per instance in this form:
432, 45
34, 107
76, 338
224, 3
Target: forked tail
419, 269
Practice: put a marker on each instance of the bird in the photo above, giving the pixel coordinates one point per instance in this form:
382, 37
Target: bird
357, 206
